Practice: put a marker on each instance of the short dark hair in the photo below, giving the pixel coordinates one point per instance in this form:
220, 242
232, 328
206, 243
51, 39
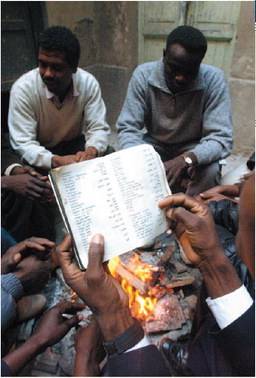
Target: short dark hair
60, 38
190, 38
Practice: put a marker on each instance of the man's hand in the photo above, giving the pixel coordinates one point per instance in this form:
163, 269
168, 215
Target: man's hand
98, 289
221, 192
193, 225
88, 154
27, 185
33, 273
59, 161
95, 287
15, 254
50, 330
53, 326
175, 169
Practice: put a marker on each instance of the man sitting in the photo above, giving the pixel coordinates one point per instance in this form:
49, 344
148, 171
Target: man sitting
56, 114
184, 108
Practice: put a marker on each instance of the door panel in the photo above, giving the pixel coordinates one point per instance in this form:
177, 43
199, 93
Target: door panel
18, 48
216, 19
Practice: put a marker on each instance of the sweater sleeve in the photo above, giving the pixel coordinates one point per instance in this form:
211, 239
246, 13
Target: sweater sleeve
216, 141
11, 291
22, 124
130, 123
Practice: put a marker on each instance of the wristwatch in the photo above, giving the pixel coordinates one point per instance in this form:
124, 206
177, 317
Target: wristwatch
188, 161
126, 340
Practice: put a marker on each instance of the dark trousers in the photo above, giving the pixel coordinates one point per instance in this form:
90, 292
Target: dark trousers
197, 179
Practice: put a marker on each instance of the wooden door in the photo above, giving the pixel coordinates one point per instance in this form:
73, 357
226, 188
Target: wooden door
216, 19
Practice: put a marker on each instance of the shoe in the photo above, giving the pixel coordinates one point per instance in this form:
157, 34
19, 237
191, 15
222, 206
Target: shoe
30, 306
176, 356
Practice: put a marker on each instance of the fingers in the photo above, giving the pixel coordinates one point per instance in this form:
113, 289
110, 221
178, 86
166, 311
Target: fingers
182, 200
17, 258
182, 217
69, 307
72, 321
95, 256
42, 241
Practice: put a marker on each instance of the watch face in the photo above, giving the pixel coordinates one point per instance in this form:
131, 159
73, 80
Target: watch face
188, 160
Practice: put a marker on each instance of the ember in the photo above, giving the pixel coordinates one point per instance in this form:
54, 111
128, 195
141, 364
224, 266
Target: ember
141, 304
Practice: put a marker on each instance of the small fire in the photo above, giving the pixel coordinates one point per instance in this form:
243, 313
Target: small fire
142, 306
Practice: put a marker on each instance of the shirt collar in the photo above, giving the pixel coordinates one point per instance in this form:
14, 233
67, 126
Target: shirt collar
157, 80
75, 92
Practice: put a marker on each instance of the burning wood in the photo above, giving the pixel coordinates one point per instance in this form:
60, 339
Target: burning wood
150, 291
131, 279
179, 282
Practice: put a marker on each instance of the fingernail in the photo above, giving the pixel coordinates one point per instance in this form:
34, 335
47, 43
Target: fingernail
97, 239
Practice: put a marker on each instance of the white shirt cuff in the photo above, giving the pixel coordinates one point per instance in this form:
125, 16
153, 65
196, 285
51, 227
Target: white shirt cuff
229, 307
142, 343
8, 170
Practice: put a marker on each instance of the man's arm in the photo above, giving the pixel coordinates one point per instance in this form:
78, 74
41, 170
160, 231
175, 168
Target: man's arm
22, 124
216, 141
132, 117
11, 291
95, 127
52, 327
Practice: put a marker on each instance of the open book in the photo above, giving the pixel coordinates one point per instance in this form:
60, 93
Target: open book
117, 196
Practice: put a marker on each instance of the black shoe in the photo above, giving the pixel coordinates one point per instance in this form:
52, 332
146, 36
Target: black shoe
176, 355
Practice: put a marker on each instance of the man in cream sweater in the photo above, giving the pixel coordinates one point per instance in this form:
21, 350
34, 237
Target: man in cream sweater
56, 113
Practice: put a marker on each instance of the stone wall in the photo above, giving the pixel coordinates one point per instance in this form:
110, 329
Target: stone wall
242, 81
108, 35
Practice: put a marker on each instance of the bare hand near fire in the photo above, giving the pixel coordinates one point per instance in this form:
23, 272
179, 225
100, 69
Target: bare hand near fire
97, 288
193, 225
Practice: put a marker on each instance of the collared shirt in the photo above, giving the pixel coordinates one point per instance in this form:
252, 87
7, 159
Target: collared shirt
38, 121
229, 307
198, 117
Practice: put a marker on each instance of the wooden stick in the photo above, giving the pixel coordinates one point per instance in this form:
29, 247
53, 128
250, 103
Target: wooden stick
132, 279
180, 282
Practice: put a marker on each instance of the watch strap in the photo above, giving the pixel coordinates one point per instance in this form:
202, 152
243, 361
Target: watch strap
126, 340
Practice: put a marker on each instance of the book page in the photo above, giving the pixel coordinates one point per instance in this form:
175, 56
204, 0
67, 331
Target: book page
117, 196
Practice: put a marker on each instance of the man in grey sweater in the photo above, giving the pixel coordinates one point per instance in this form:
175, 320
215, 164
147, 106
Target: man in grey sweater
182, 108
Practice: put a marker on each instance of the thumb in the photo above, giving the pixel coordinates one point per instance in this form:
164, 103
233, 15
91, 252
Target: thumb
95, 256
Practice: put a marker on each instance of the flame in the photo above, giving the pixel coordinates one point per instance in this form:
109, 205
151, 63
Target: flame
141, 306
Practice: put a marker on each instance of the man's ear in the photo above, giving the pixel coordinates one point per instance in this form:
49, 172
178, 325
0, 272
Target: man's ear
164, 53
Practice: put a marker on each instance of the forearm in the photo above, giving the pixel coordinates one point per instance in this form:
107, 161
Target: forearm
208, 151
219, 275
85, 365
22, 355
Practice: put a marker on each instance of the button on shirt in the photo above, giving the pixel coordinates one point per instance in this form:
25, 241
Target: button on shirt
38, 121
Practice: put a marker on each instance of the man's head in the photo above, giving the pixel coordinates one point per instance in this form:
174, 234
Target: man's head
58, 58
185, 49
245, 239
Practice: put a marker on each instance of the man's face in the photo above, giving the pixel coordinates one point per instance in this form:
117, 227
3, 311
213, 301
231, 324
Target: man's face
180, 67
55, 72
